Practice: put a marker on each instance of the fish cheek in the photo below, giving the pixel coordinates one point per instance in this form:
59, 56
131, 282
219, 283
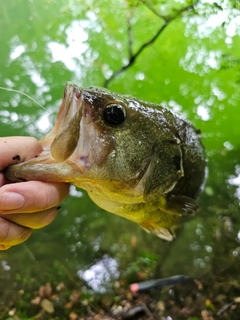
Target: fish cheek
101, 149
164, 171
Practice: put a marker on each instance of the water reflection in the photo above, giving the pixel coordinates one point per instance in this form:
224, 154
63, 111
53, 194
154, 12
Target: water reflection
5, 266
203, 112
201, 26
199, 59
13, 118
235, 180
100, 274
76, 45
44, 124
75, 192
16, 49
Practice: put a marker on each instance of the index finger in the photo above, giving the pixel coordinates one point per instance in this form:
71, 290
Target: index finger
17, 149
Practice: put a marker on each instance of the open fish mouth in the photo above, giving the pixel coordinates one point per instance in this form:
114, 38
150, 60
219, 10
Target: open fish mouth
69, 148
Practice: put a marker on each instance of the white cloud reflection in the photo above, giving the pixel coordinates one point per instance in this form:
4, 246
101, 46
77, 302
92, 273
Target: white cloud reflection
43, 123
76, 45
200, 60
203, 112
17, 51
234, 180
100, 274
238, 236
203, 26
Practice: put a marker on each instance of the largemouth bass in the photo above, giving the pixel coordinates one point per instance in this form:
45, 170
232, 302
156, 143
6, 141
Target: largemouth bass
136, 159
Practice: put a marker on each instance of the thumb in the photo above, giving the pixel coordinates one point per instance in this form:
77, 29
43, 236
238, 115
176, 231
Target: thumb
18, 149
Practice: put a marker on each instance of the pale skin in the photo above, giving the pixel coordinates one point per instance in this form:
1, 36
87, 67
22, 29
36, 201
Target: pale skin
25, 206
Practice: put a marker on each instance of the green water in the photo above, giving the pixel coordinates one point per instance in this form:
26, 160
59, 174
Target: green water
194, 71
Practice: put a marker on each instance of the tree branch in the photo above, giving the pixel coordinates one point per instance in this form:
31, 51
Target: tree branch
146, 4
133, 57
130, 35
165, 18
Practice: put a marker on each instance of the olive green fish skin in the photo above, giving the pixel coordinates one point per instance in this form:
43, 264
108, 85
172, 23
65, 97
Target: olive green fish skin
135, 159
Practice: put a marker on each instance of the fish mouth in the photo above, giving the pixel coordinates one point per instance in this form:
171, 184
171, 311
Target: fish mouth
70, 149
74, 136
63, 138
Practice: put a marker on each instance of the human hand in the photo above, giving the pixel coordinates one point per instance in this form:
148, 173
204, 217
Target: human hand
25, 205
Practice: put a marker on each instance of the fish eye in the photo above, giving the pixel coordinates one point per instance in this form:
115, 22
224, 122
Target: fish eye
114, 114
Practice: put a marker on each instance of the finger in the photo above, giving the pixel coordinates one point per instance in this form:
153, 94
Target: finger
12, 234
31, 196
18, 149
35, 220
